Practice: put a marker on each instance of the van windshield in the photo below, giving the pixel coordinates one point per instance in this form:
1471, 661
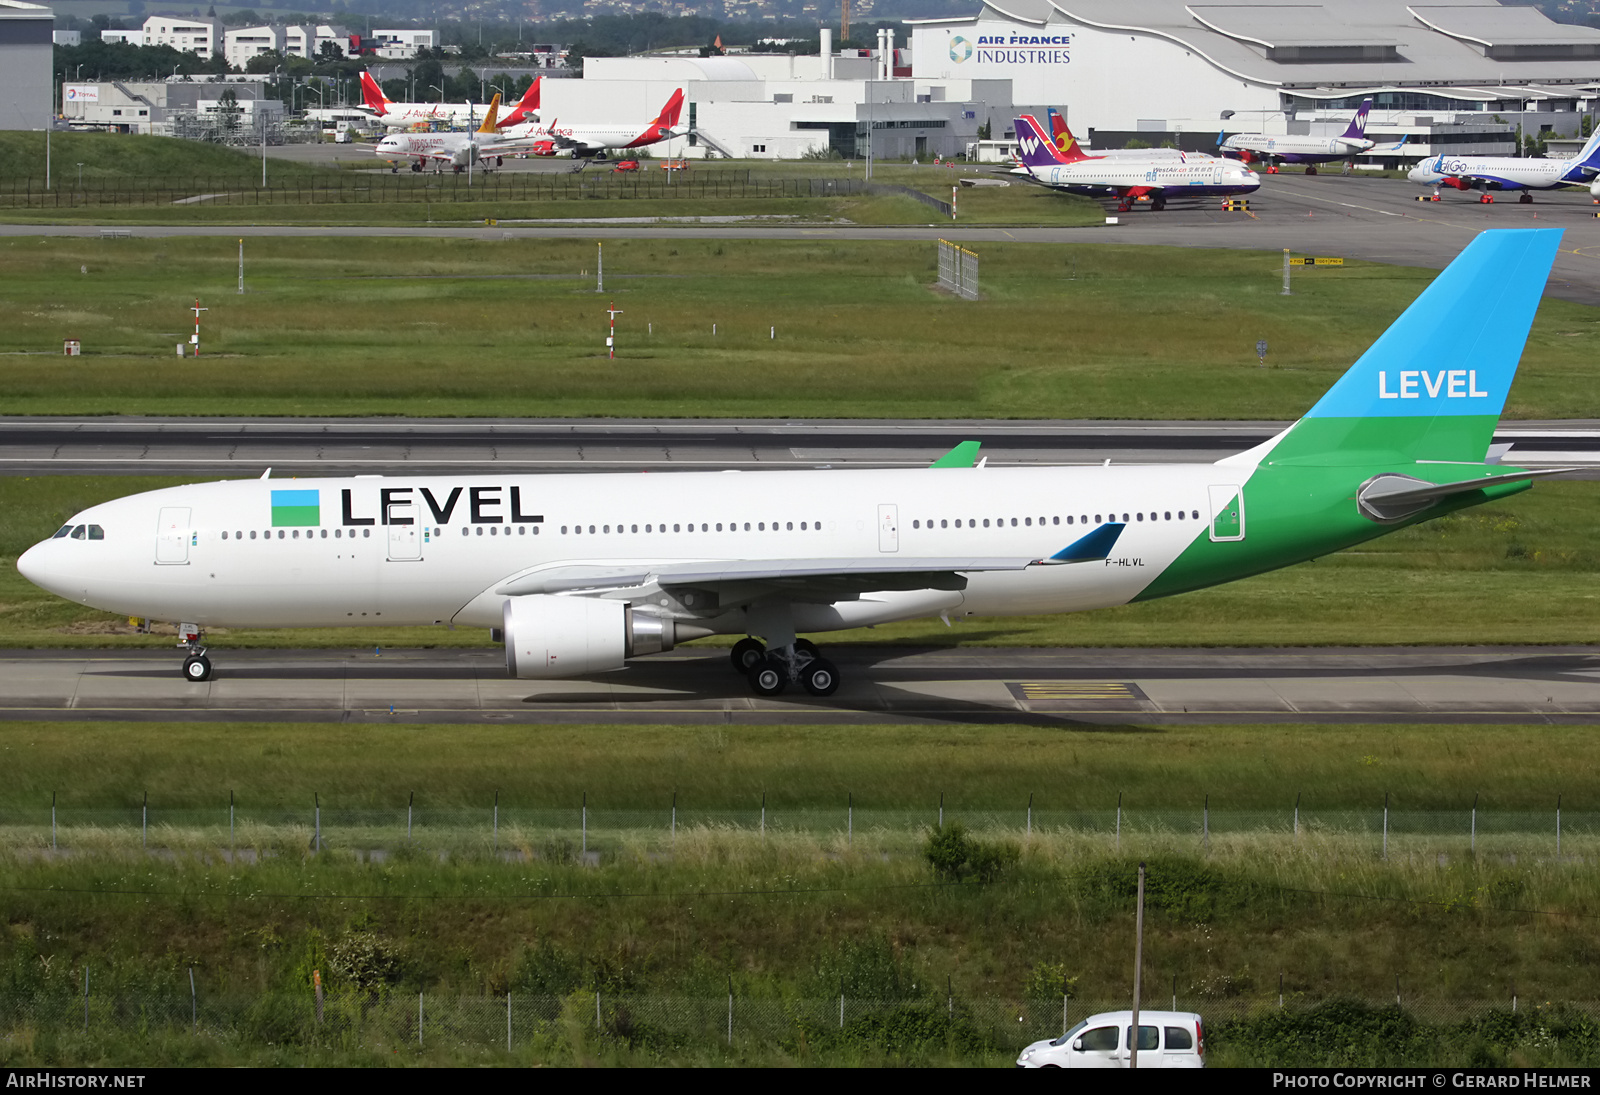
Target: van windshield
1069, 1035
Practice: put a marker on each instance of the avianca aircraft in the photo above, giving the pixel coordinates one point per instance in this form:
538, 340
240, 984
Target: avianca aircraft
1251, 147
1127, 177
585, 141
1488, 173
582, 572
407, 115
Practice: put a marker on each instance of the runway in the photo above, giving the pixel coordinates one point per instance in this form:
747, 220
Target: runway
330, 447
1357, 217
1066, 688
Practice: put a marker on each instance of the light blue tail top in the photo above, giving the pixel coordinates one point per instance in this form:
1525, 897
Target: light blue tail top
1455, 350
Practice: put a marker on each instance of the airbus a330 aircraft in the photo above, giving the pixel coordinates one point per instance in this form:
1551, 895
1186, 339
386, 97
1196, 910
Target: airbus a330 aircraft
1270, 148
1487, 173
592, 141
1158, 176
410, 115
582, 572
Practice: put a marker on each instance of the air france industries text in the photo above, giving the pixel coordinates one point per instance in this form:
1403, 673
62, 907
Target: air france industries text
1025, 56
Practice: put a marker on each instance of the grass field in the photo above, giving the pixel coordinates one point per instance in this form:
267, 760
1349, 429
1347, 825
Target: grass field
157, 180
793, 916
1520, 571
445, 327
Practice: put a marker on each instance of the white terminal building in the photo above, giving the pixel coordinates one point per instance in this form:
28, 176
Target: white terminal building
1462, 77
1450, 77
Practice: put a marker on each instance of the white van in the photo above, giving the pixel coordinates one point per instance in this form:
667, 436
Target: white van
1167, 1039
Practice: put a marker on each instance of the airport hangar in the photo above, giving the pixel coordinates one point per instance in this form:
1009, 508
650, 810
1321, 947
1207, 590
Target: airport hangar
1459, 77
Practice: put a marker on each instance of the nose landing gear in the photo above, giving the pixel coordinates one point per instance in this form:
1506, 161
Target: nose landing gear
196, 666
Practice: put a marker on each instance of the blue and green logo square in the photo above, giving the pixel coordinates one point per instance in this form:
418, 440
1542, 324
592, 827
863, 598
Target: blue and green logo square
296, 508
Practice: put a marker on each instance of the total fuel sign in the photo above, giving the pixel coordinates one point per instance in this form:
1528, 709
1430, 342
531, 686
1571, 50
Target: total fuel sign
81, 93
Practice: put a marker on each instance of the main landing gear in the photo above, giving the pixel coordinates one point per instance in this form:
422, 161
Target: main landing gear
196, 666
772, 671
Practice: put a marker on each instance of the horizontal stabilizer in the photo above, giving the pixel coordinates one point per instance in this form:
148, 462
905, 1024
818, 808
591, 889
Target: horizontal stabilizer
1395, 497
1091, 548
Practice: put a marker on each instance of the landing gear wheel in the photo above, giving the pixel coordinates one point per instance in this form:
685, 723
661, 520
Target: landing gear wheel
197, 668
769, 677
417, 167
820, 677
1157, 206
807, 647
1311, 171
747, 654
1525, 199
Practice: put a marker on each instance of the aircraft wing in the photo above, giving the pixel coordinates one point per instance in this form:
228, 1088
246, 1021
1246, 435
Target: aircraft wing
803, 579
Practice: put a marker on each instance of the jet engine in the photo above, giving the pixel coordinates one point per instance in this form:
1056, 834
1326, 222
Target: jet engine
1594, 188
549, 637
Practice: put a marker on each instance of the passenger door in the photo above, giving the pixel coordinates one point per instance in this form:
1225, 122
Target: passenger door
1227, 513
405, 546
172, 536
888, 528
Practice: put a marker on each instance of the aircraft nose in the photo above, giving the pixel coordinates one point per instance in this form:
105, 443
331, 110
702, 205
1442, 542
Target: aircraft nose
43, 566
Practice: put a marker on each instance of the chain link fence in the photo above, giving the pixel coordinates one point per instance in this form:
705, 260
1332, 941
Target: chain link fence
582, 828
377, 187
390, 1020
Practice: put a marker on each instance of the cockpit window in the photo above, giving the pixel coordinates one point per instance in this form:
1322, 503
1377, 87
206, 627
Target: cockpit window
62, 531
77, 533
96, 532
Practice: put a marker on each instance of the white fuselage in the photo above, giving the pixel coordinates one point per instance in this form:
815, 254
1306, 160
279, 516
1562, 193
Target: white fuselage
1293, 149
406, 115
1508, 172
1192, 175
210, 554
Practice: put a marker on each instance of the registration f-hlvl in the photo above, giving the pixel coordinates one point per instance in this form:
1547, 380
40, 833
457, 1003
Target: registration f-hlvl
1125, 562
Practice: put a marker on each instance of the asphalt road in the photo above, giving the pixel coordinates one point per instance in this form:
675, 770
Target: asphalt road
312, 446
1357, 217
1042, 687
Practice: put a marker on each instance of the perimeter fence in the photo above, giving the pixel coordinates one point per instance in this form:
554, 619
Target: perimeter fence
391, 1019
588, 827
407, 187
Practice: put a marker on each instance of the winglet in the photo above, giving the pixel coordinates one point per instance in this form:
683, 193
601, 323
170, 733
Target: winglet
1091, 548
964, 455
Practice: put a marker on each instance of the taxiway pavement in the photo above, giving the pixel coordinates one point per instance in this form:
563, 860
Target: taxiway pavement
1043, 687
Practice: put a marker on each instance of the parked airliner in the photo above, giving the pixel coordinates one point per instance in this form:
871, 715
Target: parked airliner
1487, 173
1271, 148
1156, 175
582, 572
586, 141
412, 115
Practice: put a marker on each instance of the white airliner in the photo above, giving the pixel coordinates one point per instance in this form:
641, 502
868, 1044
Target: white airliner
583, 572
585, 141
485, 146
1487, 173
413, 115
1154, 174
1271, 148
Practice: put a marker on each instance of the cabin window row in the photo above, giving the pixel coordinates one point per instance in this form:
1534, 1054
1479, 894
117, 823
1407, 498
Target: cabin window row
1027, 522
294, 534
705, 526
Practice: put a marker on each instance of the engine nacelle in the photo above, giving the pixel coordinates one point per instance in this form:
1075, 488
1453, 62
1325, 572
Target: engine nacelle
1594, 188
549, 637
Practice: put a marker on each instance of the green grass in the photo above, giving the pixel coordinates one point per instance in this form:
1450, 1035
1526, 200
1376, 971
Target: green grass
150, 180
437, 327
791, 916
1519, 571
